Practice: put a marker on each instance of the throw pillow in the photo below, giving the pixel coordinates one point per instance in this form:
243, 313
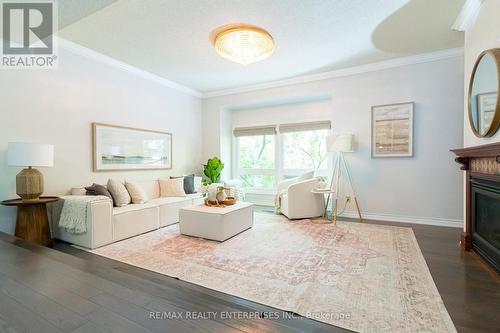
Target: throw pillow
188, 183
119, 193
136, 192
96, 189
172, 187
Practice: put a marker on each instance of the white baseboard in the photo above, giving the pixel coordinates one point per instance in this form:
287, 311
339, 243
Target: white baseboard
268, 200
407, 219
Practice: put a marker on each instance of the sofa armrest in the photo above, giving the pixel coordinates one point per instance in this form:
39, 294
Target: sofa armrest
99, 224
283, 185
99, 220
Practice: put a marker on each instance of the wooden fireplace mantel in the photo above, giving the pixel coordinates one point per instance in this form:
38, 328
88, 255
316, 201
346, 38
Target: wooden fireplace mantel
478, 162
492, 149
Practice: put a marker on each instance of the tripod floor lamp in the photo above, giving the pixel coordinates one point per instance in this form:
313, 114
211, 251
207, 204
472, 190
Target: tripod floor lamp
342, 143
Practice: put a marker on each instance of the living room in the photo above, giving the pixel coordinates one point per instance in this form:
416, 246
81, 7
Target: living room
215, 166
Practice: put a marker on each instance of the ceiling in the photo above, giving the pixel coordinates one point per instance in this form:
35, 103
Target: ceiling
170, 38
71, 11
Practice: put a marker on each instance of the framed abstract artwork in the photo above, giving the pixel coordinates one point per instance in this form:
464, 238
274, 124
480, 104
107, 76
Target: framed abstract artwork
117, 148
392, 130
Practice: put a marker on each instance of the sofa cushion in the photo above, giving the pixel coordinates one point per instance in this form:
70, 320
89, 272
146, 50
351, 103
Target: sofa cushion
118, 192
168, 200
169, 208
172, 187
136, 192
96, 189
132, 208
188, 182
151, 187
134, 220
79, 191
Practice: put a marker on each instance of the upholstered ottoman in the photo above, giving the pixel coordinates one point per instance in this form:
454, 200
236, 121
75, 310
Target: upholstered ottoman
216, 223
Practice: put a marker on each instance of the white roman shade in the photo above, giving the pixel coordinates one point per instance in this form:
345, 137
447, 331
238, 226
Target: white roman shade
309, 126
253, 131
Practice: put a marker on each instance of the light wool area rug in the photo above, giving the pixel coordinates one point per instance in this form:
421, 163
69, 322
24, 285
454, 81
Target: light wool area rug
363, 277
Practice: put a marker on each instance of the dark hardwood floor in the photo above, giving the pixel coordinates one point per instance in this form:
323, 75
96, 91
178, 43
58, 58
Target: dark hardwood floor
46, 290
469, 288
70, 290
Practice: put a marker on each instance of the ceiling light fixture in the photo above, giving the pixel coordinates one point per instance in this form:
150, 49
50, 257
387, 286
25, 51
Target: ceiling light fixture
243, 44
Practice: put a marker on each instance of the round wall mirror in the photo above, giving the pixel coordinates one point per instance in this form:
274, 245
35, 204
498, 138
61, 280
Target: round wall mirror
484, 105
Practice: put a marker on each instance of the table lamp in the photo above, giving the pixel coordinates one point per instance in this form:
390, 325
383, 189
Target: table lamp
29, 182
342, 143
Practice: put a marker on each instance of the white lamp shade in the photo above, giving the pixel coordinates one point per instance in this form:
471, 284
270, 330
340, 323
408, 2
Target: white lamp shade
30, 154
340, 143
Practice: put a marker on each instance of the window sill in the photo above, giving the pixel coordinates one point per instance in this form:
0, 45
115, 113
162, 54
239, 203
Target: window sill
261, 191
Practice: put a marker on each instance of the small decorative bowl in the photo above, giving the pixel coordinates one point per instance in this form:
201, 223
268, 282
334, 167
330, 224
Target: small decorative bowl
211, 203
229, 201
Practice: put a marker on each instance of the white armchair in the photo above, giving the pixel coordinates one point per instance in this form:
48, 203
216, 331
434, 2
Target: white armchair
297, 201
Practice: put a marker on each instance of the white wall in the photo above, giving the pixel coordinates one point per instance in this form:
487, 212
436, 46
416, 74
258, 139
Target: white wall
425, 188
58, 107
485, 34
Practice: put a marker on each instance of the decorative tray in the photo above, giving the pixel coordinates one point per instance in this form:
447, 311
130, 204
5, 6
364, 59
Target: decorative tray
228, 202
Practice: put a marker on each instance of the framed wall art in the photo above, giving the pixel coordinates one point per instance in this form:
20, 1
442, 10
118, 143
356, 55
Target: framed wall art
124, 148
392, 130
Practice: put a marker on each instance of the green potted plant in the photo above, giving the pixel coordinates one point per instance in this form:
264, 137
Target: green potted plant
212, 170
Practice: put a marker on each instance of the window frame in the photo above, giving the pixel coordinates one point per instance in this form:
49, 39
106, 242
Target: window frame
279, 156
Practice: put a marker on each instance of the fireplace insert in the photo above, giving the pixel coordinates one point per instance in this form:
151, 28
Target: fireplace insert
485, 209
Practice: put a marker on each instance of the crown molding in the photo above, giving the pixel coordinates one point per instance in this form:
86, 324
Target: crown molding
94, 55
387, 64
376, 66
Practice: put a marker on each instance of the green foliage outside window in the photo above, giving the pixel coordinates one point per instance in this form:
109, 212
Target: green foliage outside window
304, 150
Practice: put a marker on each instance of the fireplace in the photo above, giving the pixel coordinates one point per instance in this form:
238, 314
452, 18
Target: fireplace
482, 217
485, 213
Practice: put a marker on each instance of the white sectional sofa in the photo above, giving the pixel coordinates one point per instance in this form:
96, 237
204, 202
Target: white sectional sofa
107, 224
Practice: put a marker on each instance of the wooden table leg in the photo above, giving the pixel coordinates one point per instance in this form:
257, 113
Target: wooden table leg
33, 224
359, 209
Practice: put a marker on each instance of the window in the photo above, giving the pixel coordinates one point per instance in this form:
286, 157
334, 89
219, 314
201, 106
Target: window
265, 155
257, 161
305, 150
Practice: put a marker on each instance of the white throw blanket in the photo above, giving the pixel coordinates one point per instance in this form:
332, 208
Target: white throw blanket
74, 212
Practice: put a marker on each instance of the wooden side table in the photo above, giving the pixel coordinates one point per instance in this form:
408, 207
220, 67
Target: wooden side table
32, 222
